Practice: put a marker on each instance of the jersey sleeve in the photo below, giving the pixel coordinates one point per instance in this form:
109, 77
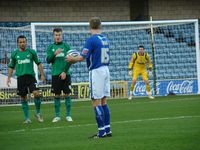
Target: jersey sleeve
50, 55
86, 50
12, 62
149, 61
35, 57
132, 61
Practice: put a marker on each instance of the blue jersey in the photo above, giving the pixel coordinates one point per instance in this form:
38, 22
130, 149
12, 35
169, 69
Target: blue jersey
96, 51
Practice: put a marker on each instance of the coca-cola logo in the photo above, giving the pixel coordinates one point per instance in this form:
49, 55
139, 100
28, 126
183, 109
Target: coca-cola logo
140, 88
185, 87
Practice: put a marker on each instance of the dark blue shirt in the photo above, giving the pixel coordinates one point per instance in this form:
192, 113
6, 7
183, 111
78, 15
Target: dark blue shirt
96, 51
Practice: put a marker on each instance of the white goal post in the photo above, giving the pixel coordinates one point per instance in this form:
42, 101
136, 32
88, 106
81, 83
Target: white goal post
154, 24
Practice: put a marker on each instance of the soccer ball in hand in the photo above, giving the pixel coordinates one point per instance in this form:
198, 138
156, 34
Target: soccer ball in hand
73, 53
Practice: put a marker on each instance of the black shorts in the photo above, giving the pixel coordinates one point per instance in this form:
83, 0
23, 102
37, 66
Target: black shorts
25, 83
59, 85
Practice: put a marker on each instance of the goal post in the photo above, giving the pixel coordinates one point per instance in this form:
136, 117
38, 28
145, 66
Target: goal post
112, 28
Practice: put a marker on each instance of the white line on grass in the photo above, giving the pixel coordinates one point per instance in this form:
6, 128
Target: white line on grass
126, 102
116, 122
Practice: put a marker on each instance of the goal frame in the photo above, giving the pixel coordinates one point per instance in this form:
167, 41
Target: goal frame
151, 23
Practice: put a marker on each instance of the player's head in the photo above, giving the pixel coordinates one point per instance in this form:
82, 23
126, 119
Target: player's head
57, 33
21, 41
141, 49
95, 24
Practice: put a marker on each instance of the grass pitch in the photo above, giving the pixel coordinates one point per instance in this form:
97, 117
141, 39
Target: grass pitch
165, 123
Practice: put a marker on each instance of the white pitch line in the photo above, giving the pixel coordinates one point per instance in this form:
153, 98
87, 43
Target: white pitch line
126, 102
116, 122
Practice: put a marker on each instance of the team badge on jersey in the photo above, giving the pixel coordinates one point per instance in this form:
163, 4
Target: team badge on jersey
85, 51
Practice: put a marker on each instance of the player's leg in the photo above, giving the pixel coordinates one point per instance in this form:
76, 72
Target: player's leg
37, 101
106, 116
148, 88
37, 97
56, 89
67, 91
134, 79
23, 91
105, 105
96, 87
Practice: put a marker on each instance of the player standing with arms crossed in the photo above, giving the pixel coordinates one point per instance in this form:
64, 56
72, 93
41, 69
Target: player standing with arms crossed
137, 66
22, 60
61, 79
97, 55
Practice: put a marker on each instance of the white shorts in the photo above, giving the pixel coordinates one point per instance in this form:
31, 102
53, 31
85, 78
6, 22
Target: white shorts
99, 82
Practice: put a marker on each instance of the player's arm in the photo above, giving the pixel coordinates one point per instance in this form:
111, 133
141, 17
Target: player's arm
132, 61
39, 64
11, 67
86, 51
51, 55
149, 62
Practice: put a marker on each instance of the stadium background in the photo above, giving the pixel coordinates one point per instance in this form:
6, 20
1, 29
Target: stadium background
23, 12
108, 10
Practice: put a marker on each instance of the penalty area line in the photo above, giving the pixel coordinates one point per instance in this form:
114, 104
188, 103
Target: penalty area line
115, 122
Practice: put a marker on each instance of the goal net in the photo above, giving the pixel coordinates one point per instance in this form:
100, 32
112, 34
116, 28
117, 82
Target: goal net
173, 47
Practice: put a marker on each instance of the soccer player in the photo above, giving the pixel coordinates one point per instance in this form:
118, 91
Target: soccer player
22, 60
97, 55
61, 79
137, 66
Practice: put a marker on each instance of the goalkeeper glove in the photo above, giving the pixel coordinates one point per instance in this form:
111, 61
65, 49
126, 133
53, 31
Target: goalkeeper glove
130, 72
150, 74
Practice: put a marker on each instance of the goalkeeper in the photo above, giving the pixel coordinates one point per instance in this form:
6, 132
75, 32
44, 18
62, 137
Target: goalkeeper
137, 66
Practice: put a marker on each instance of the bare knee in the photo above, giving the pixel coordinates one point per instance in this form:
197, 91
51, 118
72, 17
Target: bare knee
103, 100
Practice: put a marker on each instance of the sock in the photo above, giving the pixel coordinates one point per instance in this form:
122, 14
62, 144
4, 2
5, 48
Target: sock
132, 87
68, 105
57, 106
37, 101
106, 117
100, 119
25, 109
148, 87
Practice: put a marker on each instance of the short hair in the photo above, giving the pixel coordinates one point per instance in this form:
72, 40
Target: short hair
57, 30
95, 23
21, 37
140, 46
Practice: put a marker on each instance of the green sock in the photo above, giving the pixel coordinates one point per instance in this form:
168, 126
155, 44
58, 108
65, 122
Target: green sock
25, 109
68, 105
57, 106
37, 101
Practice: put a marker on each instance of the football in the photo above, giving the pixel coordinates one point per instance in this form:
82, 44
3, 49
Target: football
73, 53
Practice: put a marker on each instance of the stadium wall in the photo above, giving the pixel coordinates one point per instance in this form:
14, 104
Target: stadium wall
109, 10
63, 10
174, 9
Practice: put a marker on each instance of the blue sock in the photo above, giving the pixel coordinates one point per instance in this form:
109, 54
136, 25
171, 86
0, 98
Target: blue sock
100, 119
106, 117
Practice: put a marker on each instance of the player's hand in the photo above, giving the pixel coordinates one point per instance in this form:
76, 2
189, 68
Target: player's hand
69, 58
150, 74
130, 72
57, 51
8, 82
63, 75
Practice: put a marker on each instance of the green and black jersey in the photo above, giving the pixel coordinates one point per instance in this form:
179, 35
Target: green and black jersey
22, 61
58, 62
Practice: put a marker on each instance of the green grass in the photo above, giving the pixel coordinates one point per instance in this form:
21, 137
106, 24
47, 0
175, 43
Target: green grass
166, 123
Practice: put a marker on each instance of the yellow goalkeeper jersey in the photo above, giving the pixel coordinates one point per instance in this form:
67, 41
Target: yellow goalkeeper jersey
139, 61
